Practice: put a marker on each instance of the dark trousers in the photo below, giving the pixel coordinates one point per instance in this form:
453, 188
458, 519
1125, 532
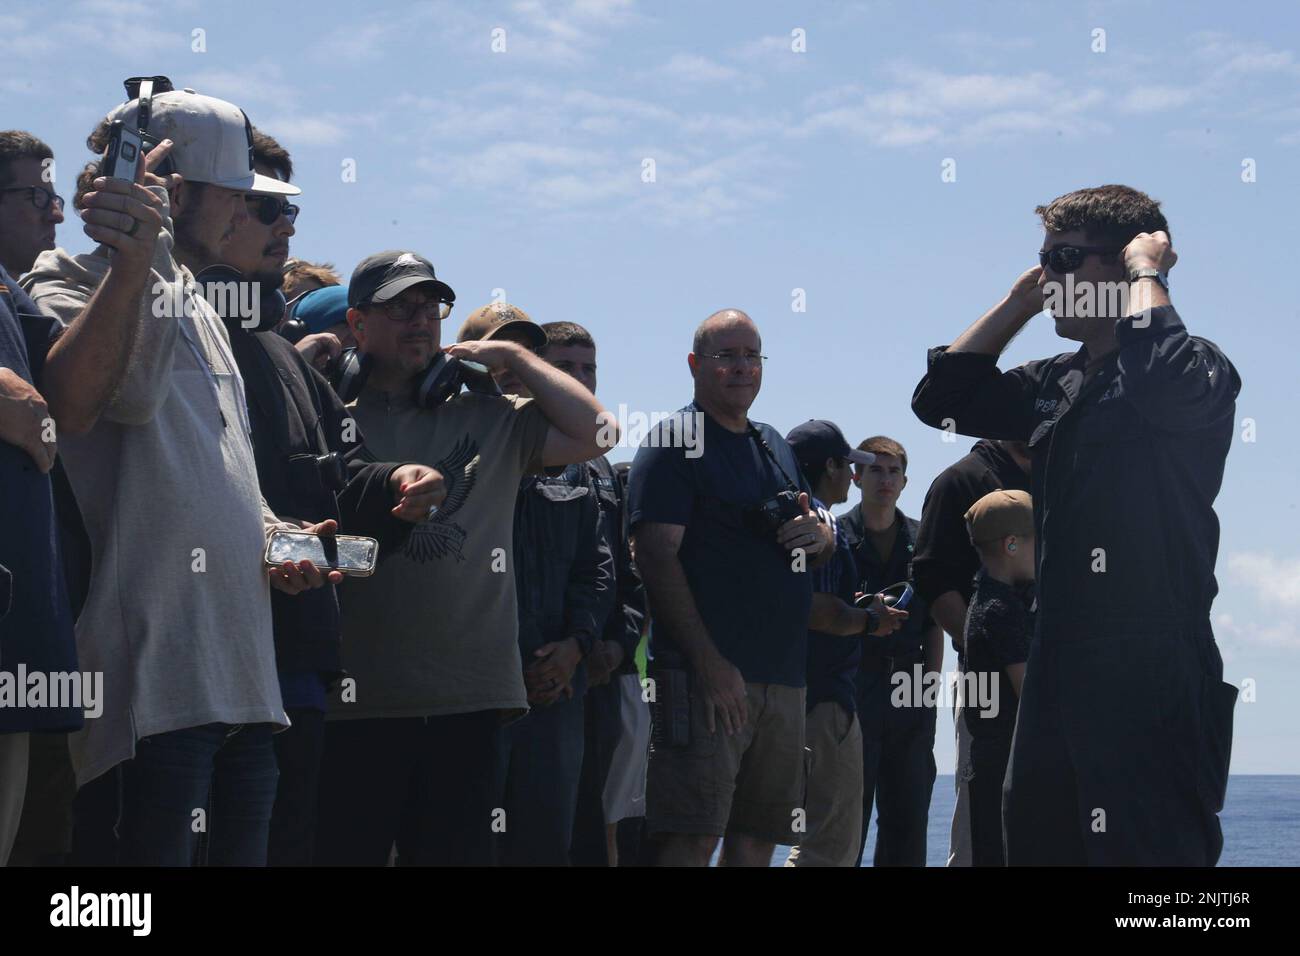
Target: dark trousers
298, 752
541, 761
898, 772
45, 833
601, 737
95, 813
429, 784
1120, 754
988, 757
216, 779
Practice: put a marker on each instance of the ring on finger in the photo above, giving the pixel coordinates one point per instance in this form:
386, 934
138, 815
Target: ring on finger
135, 225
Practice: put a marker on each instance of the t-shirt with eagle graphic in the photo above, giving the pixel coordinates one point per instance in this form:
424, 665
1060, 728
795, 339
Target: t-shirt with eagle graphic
434, 630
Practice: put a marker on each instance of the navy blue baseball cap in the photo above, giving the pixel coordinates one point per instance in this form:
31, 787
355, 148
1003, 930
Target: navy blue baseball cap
817, 439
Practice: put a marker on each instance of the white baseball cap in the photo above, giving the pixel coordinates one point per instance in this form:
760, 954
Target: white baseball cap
212, 140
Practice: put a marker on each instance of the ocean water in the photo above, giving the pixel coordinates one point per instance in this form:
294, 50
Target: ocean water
1260, 818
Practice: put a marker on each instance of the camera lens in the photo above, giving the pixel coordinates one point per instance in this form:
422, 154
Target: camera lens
128, 151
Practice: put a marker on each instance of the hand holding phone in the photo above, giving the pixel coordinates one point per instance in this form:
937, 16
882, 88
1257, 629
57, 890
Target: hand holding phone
120, 213
301, 560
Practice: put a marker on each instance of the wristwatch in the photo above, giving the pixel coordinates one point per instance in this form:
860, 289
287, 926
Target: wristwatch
1156, 274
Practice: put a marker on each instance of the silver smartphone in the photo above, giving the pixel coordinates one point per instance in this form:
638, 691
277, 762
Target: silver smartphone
123, 152
354, 556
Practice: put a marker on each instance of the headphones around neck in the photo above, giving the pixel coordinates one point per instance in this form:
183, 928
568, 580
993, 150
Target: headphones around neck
225, 289
442, 379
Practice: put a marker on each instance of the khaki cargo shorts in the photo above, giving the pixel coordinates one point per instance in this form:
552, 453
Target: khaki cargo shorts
750, 783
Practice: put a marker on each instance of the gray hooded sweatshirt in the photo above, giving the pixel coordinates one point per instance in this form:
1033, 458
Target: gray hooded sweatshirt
178, 618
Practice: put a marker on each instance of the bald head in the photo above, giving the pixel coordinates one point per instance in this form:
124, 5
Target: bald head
723, 320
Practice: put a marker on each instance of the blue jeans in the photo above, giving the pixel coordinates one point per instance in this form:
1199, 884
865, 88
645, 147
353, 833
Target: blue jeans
218, 778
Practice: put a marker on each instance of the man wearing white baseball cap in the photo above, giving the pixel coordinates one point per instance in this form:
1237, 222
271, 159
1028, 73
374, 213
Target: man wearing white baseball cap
153, 428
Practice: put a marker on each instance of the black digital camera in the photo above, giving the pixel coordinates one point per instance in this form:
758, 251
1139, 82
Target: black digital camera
329, 471
767, 516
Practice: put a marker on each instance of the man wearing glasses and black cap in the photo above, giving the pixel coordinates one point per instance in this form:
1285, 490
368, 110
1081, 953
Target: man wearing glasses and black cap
1120, 756
430, 640
312, 464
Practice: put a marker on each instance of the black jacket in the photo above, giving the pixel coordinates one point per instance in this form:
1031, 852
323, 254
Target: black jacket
1125, 468
875, 575
945, 560
564, 571
623, 626
294, 411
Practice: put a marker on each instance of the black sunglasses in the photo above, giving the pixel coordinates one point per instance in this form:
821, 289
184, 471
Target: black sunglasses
270, 208
1064, 259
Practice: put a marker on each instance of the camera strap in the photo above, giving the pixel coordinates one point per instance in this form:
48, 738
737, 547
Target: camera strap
759, 440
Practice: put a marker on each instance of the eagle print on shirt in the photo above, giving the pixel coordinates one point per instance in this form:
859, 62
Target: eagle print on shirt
441, 535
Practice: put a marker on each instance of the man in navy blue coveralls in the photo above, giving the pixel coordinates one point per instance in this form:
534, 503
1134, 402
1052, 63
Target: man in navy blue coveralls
1120, 754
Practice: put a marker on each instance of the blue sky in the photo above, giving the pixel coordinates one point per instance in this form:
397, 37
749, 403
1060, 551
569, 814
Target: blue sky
775, 170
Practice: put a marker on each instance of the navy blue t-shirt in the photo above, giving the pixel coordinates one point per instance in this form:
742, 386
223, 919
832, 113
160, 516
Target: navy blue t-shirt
37, 631
754, 605
832, 658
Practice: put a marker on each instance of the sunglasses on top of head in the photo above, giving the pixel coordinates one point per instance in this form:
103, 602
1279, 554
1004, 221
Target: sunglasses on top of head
268, 209
1066, 258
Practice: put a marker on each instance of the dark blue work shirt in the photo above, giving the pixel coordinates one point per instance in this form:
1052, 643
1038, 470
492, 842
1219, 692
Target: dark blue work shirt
37, 632
691, 471
832, 658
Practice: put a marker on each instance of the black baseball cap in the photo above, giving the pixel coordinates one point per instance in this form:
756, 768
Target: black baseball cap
385, 275
817, 439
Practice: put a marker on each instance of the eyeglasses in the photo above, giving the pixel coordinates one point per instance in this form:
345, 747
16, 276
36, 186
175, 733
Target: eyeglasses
750, 359
1064, 259
40, 196
403, 311
269, 209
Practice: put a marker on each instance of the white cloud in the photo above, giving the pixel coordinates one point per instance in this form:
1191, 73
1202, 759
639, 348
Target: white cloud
920, 105
693, 69
1151, 99
1274, 581
296, 130
564, 32
1273, 586
1232, 635
773, 52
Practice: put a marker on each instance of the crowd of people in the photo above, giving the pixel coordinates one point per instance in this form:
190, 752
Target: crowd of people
555, 659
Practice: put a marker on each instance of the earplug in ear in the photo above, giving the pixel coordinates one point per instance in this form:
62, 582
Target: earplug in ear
1011, 546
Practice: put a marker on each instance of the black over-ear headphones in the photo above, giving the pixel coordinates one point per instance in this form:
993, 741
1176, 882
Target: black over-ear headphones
143, 88
442, 379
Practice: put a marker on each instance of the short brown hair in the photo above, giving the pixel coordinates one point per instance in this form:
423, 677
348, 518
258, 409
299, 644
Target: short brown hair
565, 334
298, 271
1113, 214
268, 152
880, 445
16, 144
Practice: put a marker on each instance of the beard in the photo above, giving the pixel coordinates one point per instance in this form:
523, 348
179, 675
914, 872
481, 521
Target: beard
191, 248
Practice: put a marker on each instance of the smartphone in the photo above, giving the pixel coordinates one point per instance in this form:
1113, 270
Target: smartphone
354, 556
123, 153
